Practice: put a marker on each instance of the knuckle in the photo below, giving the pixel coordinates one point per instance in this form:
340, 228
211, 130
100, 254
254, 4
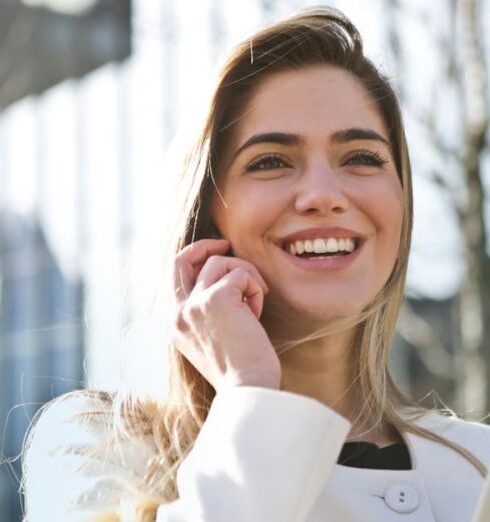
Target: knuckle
192, 313
181, 322
212, 298
239, 272
213, 260
215, 296
187, 316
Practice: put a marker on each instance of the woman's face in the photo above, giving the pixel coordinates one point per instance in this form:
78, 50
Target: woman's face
310, 166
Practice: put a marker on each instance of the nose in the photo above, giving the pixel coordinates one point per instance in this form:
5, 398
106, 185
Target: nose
320, 190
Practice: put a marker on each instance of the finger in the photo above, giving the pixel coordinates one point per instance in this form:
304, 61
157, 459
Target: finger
197, 253
218, 266
189, 261
248, 289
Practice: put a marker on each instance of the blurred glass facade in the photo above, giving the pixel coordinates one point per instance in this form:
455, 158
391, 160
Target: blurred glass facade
41, 338
42, 293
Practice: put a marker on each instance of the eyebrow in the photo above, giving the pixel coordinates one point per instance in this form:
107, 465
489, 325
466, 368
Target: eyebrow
344, 136
280, 138
339, 137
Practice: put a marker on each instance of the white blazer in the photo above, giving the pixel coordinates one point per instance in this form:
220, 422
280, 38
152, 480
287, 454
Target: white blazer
262, 456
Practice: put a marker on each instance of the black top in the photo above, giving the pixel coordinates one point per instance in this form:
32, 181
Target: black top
368, 455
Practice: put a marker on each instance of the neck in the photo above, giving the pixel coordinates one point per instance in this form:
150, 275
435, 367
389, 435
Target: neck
323, 369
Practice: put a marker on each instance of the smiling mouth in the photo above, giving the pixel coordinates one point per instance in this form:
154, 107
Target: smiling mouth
322, 248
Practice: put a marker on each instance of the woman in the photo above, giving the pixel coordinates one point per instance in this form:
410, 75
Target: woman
288, 270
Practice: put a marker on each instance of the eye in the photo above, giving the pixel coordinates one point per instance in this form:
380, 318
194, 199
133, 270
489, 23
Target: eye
266, 162
366, 158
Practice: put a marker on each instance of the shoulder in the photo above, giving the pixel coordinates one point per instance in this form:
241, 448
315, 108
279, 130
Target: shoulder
471, 435
455, 427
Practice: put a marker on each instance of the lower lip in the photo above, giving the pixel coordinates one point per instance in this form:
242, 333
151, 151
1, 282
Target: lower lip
325, 264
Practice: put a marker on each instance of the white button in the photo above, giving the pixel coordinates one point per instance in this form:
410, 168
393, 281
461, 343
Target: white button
401, 498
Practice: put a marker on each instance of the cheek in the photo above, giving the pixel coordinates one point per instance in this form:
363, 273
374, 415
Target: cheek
394, 213
249, 210
384, 204
239, 221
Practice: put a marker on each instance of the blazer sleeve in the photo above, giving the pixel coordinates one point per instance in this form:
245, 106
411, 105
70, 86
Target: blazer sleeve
262, 455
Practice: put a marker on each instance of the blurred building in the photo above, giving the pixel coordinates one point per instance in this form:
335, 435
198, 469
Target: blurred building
41, 338
45, 42
41, 302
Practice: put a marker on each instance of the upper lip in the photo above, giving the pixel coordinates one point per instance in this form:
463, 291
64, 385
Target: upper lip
322, 232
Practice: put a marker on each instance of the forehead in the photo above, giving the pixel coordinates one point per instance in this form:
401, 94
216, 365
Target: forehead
313, 101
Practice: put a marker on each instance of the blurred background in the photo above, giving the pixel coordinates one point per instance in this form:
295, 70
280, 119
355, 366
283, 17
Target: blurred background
92, 94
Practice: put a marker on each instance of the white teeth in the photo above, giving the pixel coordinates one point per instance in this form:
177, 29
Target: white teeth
300, 247
319, 246
332, 245
349, 245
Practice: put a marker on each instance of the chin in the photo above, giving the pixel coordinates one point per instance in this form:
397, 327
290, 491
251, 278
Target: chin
330, 313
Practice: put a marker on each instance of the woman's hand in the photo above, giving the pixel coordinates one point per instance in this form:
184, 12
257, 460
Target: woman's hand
219, 300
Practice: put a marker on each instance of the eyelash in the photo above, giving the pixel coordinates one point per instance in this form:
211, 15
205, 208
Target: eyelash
366, 158
259, 163
374, 158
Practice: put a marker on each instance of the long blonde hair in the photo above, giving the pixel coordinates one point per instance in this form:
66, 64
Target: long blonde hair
313, 37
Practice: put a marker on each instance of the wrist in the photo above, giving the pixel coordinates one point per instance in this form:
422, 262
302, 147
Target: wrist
271, 381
